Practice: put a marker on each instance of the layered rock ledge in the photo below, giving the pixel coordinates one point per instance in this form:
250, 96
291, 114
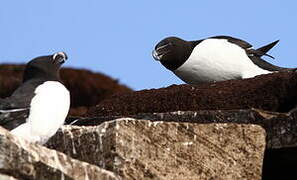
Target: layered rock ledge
281, 137
22, 160
141, 149
281, 128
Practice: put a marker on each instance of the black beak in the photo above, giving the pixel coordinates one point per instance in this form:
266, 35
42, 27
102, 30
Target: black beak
160, 51
155, 55
60, 57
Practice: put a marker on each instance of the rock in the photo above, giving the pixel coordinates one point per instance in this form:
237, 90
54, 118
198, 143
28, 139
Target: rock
281, 128
23, 160
87, 88
272, 92
281, 147
5, 177
140, 149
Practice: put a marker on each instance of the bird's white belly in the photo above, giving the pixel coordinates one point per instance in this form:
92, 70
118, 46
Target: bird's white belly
206, 72
217, 60
48, 110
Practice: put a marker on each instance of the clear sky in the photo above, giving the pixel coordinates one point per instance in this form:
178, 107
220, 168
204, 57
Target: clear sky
117, 37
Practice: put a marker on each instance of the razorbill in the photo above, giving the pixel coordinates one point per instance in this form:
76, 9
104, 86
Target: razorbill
44, 97
213, 59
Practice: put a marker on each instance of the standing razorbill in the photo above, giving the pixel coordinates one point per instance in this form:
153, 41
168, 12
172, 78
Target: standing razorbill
213, 59
43, 95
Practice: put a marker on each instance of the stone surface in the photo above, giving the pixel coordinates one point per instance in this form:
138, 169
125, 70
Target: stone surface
23, 160
272, 92
87, 88
140, 149
280, 160
281, 128
5, 177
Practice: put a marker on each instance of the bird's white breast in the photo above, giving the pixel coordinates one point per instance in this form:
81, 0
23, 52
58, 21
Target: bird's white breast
48, 110
217, 60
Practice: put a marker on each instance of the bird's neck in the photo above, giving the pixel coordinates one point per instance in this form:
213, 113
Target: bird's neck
41, 75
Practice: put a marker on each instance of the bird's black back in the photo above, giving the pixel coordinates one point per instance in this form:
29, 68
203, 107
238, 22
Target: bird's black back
22, 96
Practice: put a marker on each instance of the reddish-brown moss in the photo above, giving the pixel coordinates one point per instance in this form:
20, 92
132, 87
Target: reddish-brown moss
87, 88
274, 92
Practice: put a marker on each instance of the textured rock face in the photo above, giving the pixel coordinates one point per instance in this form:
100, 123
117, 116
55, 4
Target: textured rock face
87, 88
273, 92
281, 148
280, 127
23, 160
5, 177
139, 149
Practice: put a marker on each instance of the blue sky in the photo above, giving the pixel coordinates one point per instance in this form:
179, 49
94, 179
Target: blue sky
117, 37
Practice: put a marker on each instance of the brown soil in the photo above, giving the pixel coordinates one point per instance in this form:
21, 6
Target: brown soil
87, 88
273, 92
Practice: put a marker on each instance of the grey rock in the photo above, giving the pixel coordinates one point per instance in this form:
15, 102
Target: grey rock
5, 177
141, 149
24, 160
281, 128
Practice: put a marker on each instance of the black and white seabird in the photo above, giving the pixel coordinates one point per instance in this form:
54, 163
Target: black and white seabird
213, 59
43, 95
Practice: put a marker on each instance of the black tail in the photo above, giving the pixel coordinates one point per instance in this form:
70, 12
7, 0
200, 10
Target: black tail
263, 50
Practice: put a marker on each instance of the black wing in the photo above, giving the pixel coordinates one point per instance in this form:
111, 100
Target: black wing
243, 44
11, 120
248, 47
11, 116
21, 97
256, 54
14, 110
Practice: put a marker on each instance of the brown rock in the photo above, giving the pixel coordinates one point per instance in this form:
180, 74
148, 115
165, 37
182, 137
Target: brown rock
87, 88
23, 160
273, 92
281, 128
281, 148
139, 149
5, 177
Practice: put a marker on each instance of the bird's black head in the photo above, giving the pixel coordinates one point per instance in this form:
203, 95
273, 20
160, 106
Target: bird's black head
45, 67
172, 52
